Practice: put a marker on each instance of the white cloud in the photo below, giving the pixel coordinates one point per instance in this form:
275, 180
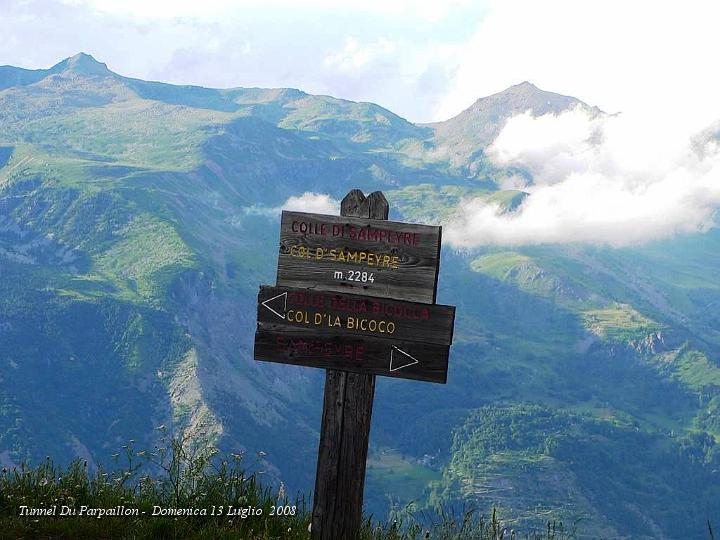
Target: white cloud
528, 141
400, 74
355, 56
316, 203
158, 9
617, 180
430, 10
618, 55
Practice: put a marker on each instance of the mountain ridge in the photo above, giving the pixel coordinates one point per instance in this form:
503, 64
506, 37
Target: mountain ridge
85, 64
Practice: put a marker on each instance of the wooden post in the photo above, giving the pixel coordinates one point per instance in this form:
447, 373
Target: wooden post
345, 431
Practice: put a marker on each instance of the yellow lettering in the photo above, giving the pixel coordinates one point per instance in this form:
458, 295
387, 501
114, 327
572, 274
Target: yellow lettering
298, 316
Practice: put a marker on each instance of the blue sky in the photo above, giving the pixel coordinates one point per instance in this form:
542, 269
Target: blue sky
424, 59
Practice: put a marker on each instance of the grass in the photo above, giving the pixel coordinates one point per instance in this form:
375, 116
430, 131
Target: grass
696, 371
499, 265
226, 500
388, 472
508, 200
146, 257
130, 131
690, 367
429, 203
620, 322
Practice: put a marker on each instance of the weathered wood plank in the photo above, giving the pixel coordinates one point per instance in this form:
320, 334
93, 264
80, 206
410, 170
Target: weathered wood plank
359, 354
342, 456
329, 313
356, 255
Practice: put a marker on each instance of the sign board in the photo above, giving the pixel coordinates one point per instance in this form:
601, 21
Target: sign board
359, 255
355, 333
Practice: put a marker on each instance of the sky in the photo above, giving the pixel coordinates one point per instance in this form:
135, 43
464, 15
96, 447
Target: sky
654, 63
425, 60
399, 54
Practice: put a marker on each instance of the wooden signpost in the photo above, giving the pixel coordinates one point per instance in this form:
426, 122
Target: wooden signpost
355, 295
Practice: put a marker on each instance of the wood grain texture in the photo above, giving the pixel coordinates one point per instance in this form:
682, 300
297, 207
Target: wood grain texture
404, 258
342, 456
359, 354
335, 314
345, 429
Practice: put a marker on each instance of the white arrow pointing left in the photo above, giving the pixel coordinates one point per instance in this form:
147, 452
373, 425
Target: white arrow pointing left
266, 303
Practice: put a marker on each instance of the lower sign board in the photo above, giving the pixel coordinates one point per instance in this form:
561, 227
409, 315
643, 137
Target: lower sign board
354, 333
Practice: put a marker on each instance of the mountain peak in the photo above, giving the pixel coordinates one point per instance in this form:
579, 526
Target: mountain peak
525, 91
479, 125
516, 99
81, 64
525, 85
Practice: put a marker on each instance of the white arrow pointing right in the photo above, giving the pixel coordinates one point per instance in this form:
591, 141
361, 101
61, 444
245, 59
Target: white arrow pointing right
401, 359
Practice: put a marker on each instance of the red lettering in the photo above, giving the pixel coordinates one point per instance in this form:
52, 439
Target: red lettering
305, 227
305, 299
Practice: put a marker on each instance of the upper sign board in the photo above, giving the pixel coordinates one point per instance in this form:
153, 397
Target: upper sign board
360, 256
